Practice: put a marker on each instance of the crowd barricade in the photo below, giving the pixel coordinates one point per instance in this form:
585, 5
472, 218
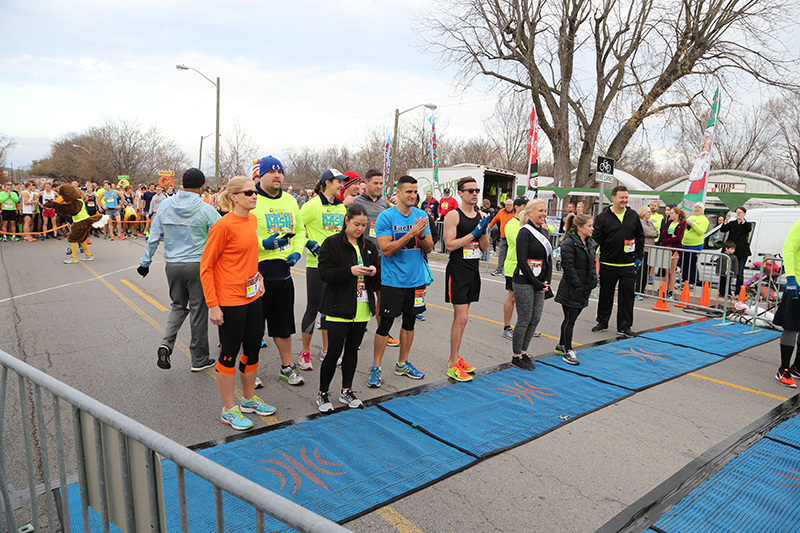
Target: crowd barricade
115, 461
761, 293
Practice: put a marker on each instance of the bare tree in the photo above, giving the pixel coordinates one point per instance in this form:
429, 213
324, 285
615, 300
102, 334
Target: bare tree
508, 129
238, 152
7, 145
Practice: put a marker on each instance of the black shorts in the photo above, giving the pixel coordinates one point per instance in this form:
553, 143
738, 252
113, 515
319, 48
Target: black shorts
278, 304
462, 285
399, 301
509, 283
9, 215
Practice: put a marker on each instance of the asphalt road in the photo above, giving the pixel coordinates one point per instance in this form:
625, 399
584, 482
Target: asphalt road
96, 326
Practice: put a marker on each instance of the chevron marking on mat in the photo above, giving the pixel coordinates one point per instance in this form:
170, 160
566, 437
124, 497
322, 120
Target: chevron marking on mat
720, 334
642, 354
295, 468
526, 391
793, 478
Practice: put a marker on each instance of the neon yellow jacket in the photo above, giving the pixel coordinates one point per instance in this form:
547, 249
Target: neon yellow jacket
791, 251
321, 220
693, 236
279, 215
512, 230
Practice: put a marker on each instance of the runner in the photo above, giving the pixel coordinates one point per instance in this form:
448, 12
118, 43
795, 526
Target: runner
788, 314
8, 206
403, 235
28, 197
147, 197
502, 217
349, 264
465, 239
351, 187
322, 216
512, 231
48, 215
283, 237
232, 286
111, 201
183, 222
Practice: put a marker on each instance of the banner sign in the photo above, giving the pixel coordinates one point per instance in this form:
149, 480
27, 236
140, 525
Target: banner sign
434, 156
387, 164
533, 155
698, 179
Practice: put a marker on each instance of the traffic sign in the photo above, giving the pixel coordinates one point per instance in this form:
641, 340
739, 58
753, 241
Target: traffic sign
605, 170
166, 172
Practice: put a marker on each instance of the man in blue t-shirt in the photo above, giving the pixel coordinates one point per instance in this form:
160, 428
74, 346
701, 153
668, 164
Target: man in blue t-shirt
403, 235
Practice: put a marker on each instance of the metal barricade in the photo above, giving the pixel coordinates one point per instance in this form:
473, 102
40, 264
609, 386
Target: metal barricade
762, 294
115, 464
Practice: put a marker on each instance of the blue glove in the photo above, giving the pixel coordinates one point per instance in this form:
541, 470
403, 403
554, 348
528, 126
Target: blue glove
638, 263
480, 229
313, 247
273, 242
292, 259
791, 287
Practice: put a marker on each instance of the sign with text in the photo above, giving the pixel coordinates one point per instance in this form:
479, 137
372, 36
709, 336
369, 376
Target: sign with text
605, 170
166, 172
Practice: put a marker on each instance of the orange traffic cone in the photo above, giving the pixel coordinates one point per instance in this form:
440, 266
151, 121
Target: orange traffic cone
706, 297
661, 304
684, 301
742, 294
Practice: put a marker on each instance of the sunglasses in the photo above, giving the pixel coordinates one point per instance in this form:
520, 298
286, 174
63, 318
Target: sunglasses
249, 192
471, 191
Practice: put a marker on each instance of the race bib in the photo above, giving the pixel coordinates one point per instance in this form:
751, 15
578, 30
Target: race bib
372, 229
283, 248
535, 266
253, 285
361, 291
472, 250
419, 297
630, 246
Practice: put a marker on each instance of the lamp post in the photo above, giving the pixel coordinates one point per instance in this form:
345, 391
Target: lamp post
82, 148
200, 161
397, 114
216, 154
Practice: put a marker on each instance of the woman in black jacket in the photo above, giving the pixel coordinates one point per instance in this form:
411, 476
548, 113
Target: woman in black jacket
739, 232
578, 279
350, 265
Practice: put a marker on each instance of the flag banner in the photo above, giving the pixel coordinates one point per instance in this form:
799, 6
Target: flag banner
256, 167
698, 179
533, 155
387, 164
434, 156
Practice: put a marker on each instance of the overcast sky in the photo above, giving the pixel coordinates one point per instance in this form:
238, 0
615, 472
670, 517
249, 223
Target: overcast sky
292, 73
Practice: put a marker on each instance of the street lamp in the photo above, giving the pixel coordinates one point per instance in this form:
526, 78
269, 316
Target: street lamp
200, 163
216, 155
397, 114
82, 148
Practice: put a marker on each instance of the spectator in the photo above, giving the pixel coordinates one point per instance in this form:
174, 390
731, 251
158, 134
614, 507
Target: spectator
726, 269
671, 237
431, 203
739, 232
447, 204
696, 226
570, 211
650, 234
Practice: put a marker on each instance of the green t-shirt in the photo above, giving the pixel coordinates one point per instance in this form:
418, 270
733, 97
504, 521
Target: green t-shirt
362, 305
512, 230
321, 221
693, 236
9, 200
656, 219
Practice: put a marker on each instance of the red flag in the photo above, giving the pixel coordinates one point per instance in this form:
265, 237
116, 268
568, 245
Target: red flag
533, 155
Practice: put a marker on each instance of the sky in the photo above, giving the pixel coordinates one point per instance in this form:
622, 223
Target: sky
292, 73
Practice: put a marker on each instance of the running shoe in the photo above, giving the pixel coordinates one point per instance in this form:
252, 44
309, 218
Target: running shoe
795, 371
89, 258
318, 325
508, 333
626, 332
42, 238
457, 373
264, 343
121, 237
638, 297
522, 362
256, 405
570, 358
322, 354
324, 402
208, 364
407, 369
374, 379
421, 317
259, 384
234, 419
291, 376
112, 237
348, 398
5, 238
560, 350
650, 280
163, 357
305, 361
29, 238
70, 261
497, 272
537, 333
464, 366
785, 378
15, 238
391, 341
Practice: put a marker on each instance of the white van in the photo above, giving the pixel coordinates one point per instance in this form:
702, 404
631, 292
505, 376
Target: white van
770, 226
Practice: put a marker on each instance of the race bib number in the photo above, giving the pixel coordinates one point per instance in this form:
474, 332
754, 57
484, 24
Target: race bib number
253, 285
287, 247
361, 291
372, 229
535, 266
472, 250
419, 297
630, 246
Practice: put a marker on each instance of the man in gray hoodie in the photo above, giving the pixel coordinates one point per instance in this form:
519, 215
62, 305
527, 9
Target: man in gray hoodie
183, 222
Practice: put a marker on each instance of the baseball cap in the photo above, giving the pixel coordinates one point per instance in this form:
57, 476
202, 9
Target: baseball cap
330, 174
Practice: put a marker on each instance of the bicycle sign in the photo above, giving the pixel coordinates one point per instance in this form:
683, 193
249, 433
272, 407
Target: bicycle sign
605, 170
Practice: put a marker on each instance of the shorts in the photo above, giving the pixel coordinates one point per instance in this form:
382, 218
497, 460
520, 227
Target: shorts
9, 215
112, 213
509, 283
462, 285
48, 213
277, 303
396, 301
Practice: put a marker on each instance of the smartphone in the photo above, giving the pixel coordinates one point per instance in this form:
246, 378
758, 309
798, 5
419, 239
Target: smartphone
287, 236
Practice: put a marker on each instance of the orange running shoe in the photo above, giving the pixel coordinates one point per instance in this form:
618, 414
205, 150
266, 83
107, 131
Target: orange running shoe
464, 366
455, 372
785, 377
391, 341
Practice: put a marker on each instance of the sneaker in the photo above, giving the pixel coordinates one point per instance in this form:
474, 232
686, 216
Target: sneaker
464, 366
599, 327
374, 379
537, 334
234, 419
421, 317
670, 295
42, 238
786, 379
203, 366
163, 357
457, 373
649, 280
626, 332
322, 354
5, 238
497, 272
112, 237
256, 405
349, 399
638, 297
795, 371
89, 258
318, 325
122, 237
391, 341
259, 384
570, 358
264, 343
70, 261
305, 361
291, 376
560, 350
522, 362
508, 333
324, 402
407, 369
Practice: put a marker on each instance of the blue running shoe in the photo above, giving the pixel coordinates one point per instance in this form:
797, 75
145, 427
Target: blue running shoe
407, 369
264, 343
256, 405
421, 317
374, 379
234, 419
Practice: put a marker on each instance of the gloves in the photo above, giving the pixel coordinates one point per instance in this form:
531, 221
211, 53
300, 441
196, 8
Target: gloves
313, 247
791, 287
480, 229
292, 259
144, 271
638, 263
273, 242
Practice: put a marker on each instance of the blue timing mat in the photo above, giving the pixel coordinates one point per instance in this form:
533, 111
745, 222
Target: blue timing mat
503, 408
710, 336
635, 363
756, 492
788, 432
76, 517
337, 465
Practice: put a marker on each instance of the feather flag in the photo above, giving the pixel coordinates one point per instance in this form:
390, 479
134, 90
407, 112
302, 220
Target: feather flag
434, 156
698, 179
387, 163
533, 155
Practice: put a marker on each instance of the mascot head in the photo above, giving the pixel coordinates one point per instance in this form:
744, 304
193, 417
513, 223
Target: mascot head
68, 193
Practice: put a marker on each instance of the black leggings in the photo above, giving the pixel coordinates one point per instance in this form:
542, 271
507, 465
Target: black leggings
409, 321
570, 316
315, 290
345, 336
242, 327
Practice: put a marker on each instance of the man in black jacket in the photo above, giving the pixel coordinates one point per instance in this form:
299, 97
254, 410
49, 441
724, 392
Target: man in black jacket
618, 231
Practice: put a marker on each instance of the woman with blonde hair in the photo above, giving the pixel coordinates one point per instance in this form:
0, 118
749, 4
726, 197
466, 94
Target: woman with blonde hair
696, 227
650, 234
672, 232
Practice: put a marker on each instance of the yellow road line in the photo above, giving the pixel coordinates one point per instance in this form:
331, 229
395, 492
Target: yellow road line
143, 295
768, 395
400, 523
